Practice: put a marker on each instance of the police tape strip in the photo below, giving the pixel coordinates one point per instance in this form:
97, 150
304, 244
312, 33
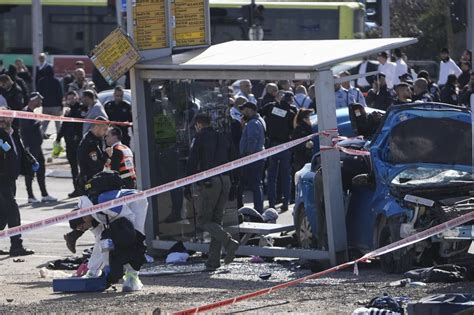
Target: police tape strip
435, 230
162, 188
36, 116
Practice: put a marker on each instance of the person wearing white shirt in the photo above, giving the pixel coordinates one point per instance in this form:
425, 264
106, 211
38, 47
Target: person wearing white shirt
400, 66
386, 67
447, 66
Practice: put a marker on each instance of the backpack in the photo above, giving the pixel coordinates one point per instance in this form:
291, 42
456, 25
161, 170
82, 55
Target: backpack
102, 182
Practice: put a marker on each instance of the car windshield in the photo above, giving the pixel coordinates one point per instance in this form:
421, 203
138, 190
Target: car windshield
430, 140
423, 176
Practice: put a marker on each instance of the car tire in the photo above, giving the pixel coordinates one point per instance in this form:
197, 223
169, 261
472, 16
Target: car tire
304, 232
398, 261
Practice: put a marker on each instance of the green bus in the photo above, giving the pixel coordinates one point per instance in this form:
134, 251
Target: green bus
74, 27
286, 20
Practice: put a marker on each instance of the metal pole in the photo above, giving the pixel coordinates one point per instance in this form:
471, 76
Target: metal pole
118, 12
36, 34
470, 30
385, 18
331, 167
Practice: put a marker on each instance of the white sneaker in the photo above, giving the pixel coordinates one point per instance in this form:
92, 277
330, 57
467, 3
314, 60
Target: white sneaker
131, 282
48, 198
33, 200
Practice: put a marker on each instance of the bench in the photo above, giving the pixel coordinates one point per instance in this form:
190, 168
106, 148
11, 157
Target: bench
251, 228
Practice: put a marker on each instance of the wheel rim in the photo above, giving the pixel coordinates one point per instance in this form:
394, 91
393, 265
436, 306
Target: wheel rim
306, 234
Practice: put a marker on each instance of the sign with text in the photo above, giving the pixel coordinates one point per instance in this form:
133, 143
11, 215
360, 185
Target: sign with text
190, 19
149, 24
115, 55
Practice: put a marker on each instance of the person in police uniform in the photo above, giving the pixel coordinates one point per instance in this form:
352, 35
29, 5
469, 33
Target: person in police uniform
210, 149
119, 109
13, 162
120, 158
279, 118
92, 157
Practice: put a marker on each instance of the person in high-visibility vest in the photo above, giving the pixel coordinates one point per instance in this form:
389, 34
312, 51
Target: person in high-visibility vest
120, 158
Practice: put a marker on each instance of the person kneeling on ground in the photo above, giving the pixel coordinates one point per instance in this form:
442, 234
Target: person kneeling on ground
119, 238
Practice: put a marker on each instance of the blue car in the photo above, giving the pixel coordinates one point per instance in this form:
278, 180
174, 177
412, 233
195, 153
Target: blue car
417, 174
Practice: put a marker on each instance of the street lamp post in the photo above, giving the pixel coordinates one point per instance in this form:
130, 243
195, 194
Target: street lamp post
37, 34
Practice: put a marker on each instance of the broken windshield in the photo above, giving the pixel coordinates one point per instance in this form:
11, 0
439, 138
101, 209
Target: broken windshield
423, 176
430, 140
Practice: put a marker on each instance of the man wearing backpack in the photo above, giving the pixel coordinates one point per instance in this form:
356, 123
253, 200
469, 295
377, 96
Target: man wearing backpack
119, 232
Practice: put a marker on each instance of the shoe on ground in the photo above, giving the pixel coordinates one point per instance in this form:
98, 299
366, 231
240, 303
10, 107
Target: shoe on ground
4, 252
14, 252
33, 200
70, 242
131, 282
75, 193
230, 250
48, 198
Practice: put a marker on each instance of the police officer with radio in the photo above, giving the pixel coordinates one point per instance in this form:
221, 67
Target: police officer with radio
120, 158
92, 157
279, 120
14, 160
210, 149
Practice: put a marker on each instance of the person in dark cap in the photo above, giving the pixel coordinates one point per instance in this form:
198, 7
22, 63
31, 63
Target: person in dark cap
433, 88
253, 141
407, 78
447, 66
32, 137
403, 91
279, 118
380, 96
91, 157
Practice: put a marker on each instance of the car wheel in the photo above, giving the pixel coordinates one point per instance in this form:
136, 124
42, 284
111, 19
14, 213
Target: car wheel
398, 261
304, 232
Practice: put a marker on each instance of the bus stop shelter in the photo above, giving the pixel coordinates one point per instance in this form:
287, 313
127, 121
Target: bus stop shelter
155, 131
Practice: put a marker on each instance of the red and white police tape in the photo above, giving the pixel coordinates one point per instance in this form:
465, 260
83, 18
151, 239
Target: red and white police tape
435, 230
25, 228
35, 116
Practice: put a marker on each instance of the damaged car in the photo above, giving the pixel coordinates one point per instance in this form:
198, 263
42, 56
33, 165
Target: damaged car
418, 174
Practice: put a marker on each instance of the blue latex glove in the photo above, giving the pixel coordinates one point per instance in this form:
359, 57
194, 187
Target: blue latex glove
35, 167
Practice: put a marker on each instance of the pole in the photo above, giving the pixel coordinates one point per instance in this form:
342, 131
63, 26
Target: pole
385, 18
331, 167
118, 12
470, 30
37, 34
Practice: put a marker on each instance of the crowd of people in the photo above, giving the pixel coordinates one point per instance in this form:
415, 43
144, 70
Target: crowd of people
262, 114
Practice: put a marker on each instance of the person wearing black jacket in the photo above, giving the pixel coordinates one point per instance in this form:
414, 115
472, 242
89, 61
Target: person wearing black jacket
364, 83
50, 87
279, 120
210, 149
380, 96
72, 133
271, 90
12, 93
92, 157
302, 153
449, 92
32, 137
14, 160
120, 110
12, 73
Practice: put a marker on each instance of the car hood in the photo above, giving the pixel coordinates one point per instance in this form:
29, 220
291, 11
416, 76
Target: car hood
423, 135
